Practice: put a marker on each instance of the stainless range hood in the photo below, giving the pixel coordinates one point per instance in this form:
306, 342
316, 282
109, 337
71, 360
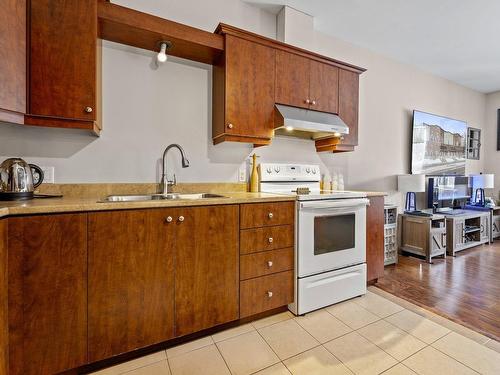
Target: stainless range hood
309, 124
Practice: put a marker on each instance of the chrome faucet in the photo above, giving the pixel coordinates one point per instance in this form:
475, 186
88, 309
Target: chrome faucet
165, 182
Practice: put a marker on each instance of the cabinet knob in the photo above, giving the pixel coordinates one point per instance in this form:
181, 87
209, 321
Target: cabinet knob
307, 101
269, 294
313, 102
181, 218
270, 263
230, 126
168, 219
88, 109
270, 240
270, 215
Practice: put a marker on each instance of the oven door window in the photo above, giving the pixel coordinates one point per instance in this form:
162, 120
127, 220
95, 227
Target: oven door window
334, 233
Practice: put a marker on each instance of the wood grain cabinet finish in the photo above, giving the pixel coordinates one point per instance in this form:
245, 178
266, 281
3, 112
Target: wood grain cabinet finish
243, 107
292, 79
349, 104
206, 268
324, 87
266, 238
306, 83
254, 215
13, 60
131, 280
265, 263
63, 63
47, 269
266, 293
4, 318
375, 239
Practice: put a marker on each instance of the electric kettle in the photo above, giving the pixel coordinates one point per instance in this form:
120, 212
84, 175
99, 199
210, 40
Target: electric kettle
19, 179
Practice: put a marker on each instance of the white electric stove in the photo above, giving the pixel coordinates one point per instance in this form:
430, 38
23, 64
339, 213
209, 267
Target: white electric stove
330, 236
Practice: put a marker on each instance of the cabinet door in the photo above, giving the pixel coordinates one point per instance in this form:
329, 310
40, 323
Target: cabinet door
62, 58
250, 74
13, 60
131, 280
348, 104
47, 293
292, 79
324, 87
375, 238
207, 268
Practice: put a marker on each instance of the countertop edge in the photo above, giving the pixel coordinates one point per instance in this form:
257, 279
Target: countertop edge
89, 205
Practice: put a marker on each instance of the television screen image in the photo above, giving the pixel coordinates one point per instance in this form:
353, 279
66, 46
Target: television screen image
438, 145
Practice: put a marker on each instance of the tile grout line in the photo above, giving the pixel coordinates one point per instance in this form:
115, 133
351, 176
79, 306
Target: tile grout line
222, 356
455, 359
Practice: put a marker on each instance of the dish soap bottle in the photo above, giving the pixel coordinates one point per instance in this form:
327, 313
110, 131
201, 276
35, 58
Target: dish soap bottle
254, 176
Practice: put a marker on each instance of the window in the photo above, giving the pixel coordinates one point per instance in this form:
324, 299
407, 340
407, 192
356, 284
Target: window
473, 143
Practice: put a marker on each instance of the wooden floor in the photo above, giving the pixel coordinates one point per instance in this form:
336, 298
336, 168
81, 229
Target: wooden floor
465, 289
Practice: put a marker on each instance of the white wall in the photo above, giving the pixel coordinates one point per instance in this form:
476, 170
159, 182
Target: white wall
146, 109
489, 141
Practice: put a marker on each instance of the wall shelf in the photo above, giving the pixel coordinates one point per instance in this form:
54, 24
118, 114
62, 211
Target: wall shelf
131, 27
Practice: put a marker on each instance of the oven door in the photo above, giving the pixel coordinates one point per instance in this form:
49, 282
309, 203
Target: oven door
331, 234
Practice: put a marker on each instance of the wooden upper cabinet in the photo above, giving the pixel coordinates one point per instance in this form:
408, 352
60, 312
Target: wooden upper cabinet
349, 104
131, 280
63, 64
13, 60
47, 270
244, 93
207, 268
324, 87
292, 79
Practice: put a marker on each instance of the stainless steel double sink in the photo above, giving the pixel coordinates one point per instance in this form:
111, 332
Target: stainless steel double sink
159, 197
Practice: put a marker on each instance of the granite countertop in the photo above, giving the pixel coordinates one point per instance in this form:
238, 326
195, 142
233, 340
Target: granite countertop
55, 205
87, 197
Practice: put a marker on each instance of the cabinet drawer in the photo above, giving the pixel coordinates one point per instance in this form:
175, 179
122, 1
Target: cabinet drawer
265, 293
268, 262
255, 215
267, 238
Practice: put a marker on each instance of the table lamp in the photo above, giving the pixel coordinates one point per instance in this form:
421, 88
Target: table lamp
479, 183
411, 184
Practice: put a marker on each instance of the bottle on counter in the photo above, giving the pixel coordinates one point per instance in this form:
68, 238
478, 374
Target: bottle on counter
341, 185
335, 182
254, 176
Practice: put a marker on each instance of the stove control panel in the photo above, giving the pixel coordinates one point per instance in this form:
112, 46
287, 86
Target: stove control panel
289, 172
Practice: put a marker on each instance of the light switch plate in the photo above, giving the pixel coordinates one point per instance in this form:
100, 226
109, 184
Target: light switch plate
242, 174
48, 175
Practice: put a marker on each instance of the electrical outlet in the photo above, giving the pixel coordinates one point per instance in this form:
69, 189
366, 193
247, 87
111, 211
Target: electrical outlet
48, 175
242, 174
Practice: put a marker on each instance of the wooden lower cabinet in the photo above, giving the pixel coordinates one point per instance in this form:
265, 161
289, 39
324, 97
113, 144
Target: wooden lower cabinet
266, 293
375, 239
131, 280
206, 268
47, 270
265, 263
4, 317
80, 288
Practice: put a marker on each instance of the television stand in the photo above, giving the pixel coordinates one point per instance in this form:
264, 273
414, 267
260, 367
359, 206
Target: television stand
467, 229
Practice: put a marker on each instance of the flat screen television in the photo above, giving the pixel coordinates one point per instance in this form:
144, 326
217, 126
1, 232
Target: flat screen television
438, 145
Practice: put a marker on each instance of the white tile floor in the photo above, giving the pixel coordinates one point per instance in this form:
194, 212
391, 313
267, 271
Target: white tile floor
373, 334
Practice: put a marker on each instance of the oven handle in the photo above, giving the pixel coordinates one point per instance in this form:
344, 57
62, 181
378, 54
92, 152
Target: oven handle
340, 203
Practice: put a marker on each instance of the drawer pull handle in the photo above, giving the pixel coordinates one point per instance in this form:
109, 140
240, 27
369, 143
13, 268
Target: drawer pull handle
270, 263
269, 294
270, 240
270, 215
168, 219
181, 218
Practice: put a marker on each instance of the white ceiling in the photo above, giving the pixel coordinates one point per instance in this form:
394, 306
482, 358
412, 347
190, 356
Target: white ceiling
455, 39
